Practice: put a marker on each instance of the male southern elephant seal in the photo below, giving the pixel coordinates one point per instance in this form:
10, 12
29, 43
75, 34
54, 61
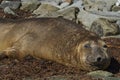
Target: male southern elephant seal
55, 39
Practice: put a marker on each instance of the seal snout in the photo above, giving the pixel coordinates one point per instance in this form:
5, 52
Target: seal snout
96, 60
99, 62
97, 55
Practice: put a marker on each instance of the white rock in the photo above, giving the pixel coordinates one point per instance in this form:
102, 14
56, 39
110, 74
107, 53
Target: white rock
103, 5
63, 5
87, 17
77, 4
118, 3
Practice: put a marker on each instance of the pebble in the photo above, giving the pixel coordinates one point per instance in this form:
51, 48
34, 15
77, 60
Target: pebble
100, 73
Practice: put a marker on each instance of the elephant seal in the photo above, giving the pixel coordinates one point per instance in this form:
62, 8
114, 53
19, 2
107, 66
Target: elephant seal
54, 39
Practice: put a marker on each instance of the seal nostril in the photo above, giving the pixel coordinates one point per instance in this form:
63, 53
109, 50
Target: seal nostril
99, 59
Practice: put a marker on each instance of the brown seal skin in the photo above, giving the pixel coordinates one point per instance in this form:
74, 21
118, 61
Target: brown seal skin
55, 39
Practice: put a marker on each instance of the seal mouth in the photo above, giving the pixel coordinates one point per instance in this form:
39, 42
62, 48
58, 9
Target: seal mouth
99, 65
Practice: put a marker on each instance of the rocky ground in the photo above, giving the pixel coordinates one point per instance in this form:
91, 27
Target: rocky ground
33, 69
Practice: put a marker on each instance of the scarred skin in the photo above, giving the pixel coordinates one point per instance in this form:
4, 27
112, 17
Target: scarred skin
55, 39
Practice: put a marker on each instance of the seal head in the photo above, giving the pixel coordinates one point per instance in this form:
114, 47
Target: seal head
93, 54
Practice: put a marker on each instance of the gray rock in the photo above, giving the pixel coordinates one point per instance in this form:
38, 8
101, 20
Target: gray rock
106, 78
97, 6
7, 10
116, 8
88, 17
103, 5
44, 9
49, 10
117, 3
111, 78
115, 36
10, 4
69, 77
51, 1
66, 3
100, 73
77, 4
63, 5
29, 5
58, 3
68, 14
104, 27
106, 14
118, 23
62, 77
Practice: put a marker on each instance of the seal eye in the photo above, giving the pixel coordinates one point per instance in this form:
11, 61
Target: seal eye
87, 45
105, 46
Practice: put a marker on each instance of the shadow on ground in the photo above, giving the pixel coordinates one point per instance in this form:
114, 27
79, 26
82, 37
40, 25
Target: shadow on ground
114, 66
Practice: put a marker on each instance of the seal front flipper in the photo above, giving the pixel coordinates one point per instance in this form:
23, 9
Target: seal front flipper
9, 52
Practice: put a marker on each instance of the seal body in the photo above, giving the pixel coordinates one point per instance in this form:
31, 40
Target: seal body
55, 39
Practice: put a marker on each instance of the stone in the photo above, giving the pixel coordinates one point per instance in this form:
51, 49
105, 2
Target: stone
7, 10
100, 73
77, 4
66, 13
44, 9
117, 3
11, 4
107, 14
58, 3
86, 18
118, 23
103, 5
29, 5
97, 6
114, 36
111, 78
63, 5
116, 8
94, 15
51, 1
69, 13
104, 27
